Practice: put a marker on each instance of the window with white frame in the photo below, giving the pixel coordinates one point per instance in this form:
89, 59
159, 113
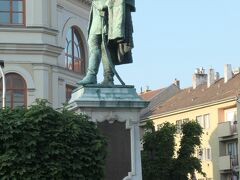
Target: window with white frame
208, 153
200, 153
231, 115
232, 148
204, 154
204, 121
199, 119
185, 120
179, 126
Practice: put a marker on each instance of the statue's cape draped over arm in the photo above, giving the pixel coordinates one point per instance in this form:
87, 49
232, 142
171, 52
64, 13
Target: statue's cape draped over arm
120, 30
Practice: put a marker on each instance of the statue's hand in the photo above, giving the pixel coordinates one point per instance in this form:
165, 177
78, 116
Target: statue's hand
100, 6
104, 8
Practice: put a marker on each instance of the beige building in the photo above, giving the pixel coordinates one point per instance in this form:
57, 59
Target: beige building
43, 44
211, 101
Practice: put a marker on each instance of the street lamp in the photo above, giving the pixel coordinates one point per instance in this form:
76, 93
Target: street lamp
4, 84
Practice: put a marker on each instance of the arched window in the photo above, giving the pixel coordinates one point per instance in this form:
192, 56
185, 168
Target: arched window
12, 12
16, 90
74, 51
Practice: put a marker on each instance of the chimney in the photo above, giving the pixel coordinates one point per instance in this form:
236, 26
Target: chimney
147, 89
227, 72
199, 77
217, 76
210, 77
236, 70
176, 82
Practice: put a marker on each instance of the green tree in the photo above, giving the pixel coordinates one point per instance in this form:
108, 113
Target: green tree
159, 146
41, 143
186, 163
157, 156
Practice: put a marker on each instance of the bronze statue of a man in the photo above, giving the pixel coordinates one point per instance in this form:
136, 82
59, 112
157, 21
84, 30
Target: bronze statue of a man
109, 38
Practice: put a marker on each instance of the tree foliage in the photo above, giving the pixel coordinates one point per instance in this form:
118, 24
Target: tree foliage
158, 151
159, 162
41, 143
191, 133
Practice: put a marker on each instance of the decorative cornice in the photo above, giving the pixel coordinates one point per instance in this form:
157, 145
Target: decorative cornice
29, 29
33, 49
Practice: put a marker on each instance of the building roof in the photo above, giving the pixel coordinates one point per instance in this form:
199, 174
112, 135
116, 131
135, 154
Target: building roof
157, 97
189, 97
148, 95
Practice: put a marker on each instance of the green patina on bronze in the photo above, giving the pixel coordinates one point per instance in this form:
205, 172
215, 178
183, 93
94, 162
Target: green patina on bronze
109, 38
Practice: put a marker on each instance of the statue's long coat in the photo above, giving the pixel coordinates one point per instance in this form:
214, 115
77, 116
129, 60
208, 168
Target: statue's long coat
117, 16
120, 29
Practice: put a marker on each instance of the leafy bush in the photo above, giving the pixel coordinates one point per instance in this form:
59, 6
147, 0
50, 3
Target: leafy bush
41, 143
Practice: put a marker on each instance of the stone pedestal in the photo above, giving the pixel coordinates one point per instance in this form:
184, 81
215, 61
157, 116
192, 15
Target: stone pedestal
116, 111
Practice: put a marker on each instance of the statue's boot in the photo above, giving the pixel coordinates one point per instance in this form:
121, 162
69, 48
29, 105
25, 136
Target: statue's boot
108, 80
93, 66
108, 75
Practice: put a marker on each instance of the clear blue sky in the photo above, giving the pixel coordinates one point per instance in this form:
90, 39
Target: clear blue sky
173, 37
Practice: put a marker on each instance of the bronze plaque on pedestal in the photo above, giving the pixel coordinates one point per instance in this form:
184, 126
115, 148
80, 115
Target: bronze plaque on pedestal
118, 162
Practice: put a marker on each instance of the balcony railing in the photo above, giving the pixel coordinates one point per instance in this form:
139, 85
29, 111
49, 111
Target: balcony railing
227, 129
228, 162
234, 161
234, 127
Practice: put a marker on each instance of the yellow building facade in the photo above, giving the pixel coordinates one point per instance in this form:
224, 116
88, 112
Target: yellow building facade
215, 108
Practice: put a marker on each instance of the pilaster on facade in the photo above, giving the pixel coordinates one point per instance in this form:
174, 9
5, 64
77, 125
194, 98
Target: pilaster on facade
41, 75
61, 92
31, 96
41, 13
